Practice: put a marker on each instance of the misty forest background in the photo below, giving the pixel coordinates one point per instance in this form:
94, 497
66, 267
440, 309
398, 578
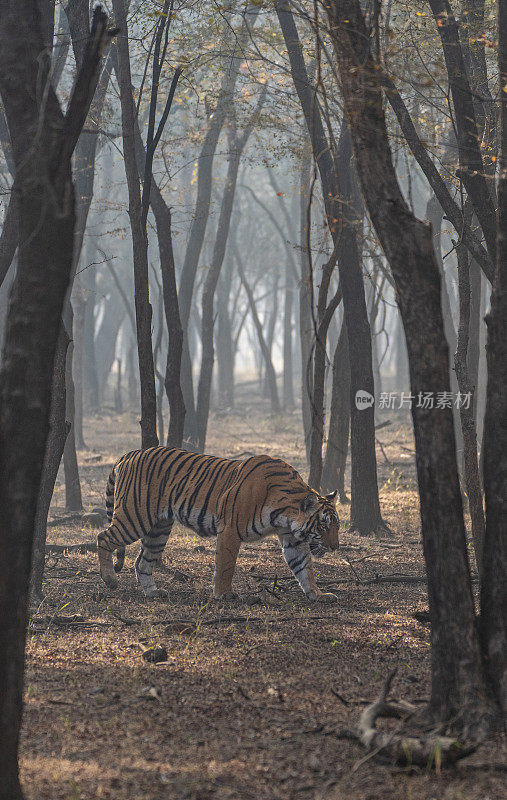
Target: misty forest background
212, 212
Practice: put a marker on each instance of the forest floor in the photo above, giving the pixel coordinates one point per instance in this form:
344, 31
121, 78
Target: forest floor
256, 695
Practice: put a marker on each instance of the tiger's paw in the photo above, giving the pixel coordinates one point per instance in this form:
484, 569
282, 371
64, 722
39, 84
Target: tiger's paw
157, 594
110, 580
326, 598
226, 596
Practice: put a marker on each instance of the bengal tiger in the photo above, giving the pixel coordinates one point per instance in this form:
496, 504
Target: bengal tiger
235, 501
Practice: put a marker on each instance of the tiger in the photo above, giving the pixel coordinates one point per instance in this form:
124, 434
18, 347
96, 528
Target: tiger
233, 500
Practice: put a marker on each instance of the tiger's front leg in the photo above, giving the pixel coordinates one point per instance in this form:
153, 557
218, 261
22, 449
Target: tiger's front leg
226, 554
298, 558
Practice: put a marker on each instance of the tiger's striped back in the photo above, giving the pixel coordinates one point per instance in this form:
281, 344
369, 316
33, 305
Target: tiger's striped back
234, 500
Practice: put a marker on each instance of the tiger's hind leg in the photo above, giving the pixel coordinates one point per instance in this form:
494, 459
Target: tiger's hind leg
106, 545
151, 552
115, 537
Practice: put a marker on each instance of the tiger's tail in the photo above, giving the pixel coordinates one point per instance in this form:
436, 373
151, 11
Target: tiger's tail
120, 551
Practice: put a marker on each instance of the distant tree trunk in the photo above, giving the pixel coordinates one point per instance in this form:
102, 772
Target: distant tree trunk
435, 215
337, 191
460, 693
58, 431
473, 353
270, 370
306, 330
148, 420
105, 340
494, 583
224, 342
90, 376
73, 500
318, 398
333, 473
376, 295
236, 146
79, 308
132, 378
172, 381
201, 214
288, 369
118, 399
270, 325
466, 410
42, 150
472, 171
78, 19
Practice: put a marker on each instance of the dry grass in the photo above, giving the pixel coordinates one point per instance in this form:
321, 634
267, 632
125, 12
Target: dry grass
241, 709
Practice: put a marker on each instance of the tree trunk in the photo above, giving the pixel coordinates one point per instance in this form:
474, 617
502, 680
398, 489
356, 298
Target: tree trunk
473, 353
333, 473
494, 583
466, 409
58, 432
148, 419
132, 378
270, 370
306, 330
201, 214
9, 237
435, 215
472, 171
401, 362
288, 369
172, 381
271, 318
90, 376
73, 500
105, 340
460, 692
42, 149
365, 511
224, 342
236, 147
79, 312
118, 397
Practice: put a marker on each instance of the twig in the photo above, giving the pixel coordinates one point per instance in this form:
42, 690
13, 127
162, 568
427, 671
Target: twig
340, 697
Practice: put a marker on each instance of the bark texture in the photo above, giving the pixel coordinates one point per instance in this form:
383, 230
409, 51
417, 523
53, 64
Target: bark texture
365, 511
42, 149
148, 420
460, 694
494, 583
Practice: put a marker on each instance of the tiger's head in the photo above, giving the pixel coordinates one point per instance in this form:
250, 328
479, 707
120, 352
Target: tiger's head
315, 520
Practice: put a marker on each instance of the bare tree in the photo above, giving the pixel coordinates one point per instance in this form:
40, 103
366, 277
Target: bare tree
365, 509
462, 694
494, 584
139, 239
237, 144
43, 140
216, 120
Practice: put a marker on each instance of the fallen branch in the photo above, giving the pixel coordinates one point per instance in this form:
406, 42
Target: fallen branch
423, 750
340, 697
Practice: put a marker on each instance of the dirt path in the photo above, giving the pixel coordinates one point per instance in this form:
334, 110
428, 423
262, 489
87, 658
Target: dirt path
256, 696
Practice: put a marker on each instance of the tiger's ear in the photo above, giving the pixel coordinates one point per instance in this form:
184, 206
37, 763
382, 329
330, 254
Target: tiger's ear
309, 502
332, 497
